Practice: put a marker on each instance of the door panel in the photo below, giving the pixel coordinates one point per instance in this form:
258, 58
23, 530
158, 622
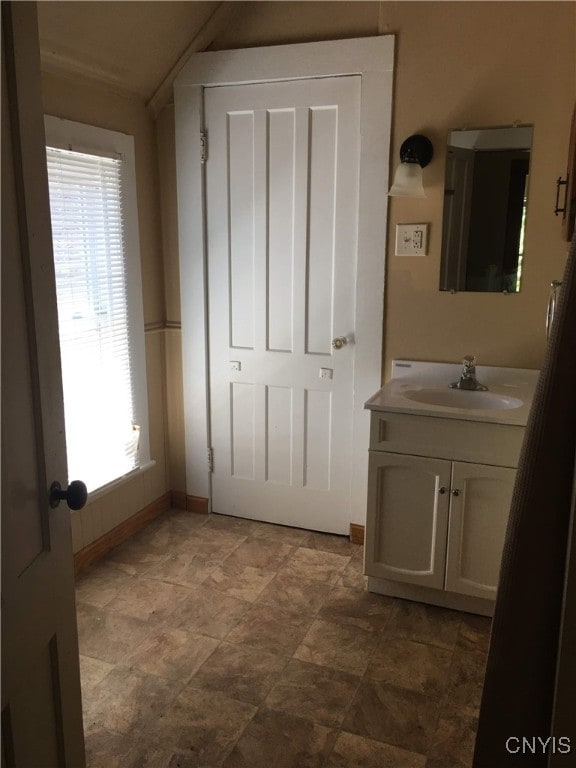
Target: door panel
478, 520
321, 213
280, 252
278, 431
282, 208
407, 518
241, 223
41, 707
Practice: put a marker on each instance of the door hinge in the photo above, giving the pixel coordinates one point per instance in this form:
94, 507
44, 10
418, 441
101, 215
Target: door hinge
211, 459
203, 146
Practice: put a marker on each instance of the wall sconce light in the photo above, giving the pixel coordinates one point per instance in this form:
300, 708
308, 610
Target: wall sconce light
415, 154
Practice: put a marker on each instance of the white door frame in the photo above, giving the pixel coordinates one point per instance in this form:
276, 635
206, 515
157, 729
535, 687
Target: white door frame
373, 59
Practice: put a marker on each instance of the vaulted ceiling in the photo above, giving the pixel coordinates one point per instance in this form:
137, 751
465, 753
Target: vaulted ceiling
133, 46
139, 46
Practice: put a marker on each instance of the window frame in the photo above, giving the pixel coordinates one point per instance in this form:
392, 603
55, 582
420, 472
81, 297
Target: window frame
80, 137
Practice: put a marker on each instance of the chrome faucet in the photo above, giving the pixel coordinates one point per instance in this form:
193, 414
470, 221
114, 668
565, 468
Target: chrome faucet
468, 376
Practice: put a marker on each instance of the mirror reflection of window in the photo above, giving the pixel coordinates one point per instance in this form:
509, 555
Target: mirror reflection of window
485, 203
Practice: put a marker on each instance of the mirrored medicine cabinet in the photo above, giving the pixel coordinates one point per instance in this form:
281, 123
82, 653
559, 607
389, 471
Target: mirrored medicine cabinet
485, 203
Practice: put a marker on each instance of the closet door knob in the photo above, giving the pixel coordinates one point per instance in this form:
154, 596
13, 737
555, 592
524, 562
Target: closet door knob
75, 495
442, 489
455, 492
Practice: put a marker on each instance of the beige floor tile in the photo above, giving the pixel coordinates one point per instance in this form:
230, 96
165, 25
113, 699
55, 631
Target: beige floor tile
214, 546
136, 555
466, 679
414, 666
107, 635
425, 623
280, 740
173, 654
261, 553
269, 629
327, 542
126, 700
293, 593
105, 749
474, 633
293, 536
187, 569
183, 521
337, 646
445, 762
454, 740
315, 693
204, 725
93, 671
182, 760
145, 598
315, 565
239, 580
240, 672
352, 751
357, 558
365, 610
187, 631
100, 584
209, 612
168, 532
237, 525
393, 715
353, 577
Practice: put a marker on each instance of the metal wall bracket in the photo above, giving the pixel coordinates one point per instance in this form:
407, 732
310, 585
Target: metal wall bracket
203, 146
560, 182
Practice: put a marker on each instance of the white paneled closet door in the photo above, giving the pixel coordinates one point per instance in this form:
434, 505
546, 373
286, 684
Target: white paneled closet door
282, 210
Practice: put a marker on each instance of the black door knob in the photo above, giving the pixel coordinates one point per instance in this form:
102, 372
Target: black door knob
75, 495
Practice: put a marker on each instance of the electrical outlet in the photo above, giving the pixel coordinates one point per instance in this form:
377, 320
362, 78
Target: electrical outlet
411, 239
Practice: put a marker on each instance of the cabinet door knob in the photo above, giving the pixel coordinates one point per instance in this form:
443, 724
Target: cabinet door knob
455, 492
442, 489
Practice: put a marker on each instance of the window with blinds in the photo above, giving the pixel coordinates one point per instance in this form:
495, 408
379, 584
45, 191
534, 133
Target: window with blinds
97, 344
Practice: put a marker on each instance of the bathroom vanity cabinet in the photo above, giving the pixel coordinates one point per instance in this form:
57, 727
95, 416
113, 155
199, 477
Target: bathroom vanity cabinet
439, 492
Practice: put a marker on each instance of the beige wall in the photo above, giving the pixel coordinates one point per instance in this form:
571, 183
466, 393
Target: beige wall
457, 65
176, 457
88, 102
479, 64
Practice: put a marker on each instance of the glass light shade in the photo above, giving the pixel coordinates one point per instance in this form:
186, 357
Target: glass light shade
407, 181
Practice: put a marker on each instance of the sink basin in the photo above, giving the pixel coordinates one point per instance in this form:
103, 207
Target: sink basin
461, 398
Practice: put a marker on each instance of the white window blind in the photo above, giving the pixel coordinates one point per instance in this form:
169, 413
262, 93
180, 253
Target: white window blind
86, 203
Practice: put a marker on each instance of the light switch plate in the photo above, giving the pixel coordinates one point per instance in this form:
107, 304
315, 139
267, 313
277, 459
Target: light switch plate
411, 239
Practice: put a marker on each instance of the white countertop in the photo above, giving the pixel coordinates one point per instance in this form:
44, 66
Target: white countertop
410, 375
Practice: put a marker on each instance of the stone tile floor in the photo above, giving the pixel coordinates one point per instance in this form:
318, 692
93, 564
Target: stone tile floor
211, 641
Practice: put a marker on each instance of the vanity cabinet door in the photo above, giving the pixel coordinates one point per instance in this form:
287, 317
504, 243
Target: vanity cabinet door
479, 507
407, 518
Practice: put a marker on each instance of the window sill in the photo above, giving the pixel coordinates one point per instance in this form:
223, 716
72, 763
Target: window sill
109, 487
